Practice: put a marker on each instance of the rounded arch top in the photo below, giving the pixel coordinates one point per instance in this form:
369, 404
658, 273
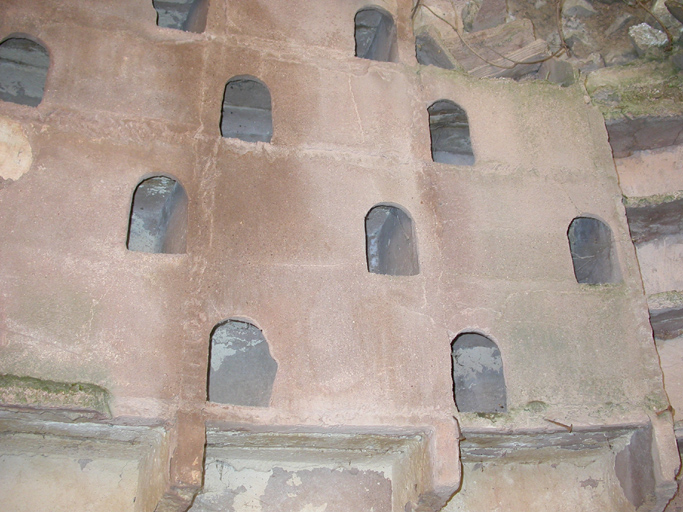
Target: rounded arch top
162, 174
237, 319
449, 129
375, 34
247, 110
26, 35
478, 377
158, 216
246, 77
24, 65
391, 244
241, 368
390, 204
475, 336
594, 255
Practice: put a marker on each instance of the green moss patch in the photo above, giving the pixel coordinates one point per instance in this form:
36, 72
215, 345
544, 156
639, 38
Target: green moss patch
641, 202
38, 393
651, 89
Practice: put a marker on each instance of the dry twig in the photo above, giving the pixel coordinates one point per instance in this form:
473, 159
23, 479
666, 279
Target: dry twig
563, 46
669, 36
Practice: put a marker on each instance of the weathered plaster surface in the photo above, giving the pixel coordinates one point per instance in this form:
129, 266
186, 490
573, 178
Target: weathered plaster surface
651, 172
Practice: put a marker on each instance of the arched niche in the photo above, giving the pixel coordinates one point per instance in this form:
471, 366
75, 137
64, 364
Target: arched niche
375, 34
478, 378
158, 216
592, 250
391, 246
187, 15
450, 133
247, 111
241, 369
24, 64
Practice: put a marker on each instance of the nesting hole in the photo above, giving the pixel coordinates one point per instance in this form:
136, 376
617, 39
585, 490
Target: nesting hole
592, 250
158, 218
241, 369
390, 242
450, 133
375, 34
187, 15
247, 111
23, 71
478, 379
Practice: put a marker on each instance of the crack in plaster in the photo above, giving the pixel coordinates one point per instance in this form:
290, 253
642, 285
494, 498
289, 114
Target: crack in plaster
355, 109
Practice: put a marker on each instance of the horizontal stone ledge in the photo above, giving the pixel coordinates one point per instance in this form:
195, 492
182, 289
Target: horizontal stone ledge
651, 220
483, 445
47, 394
629, 134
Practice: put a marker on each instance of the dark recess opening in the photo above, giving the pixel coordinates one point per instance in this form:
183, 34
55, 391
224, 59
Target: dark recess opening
592, 250
429, 52
187, 15
375, 35
450, 134
158, 217
478, 379
23, 71
241, 369
247, 113
390, 242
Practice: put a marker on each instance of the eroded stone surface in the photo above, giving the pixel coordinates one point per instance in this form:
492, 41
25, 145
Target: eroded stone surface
238, 489
291, 471
61, 467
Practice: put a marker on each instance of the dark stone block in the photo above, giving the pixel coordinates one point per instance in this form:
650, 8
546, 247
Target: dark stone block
654, 221
491, 14
634, 468
627, 134
429, 52
667, 324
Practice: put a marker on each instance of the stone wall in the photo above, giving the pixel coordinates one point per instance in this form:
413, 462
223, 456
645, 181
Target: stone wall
276, 237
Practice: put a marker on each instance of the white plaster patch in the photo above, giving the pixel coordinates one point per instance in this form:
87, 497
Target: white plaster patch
219, 351
660, 262
294, 481
248, 485
231, 338
311, 508
15, 151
